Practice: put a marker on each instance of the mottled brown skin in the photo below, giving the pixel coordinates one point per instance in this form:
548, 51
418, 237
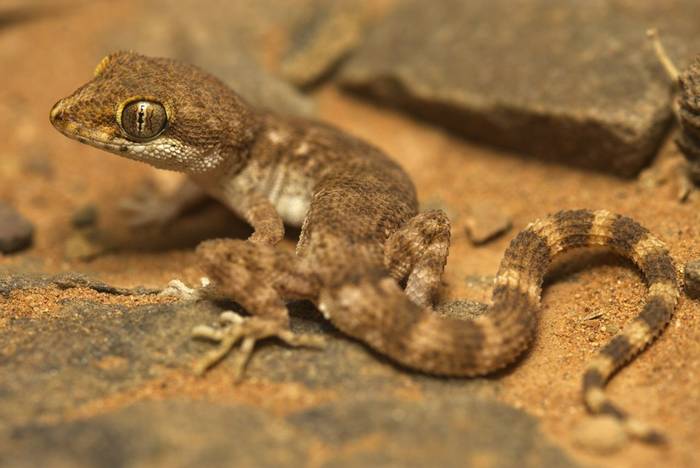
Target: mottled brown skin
365, 256
688, 114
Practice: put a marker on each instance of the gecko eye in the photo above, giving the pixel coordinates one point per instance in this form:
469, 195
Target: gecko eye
143, 120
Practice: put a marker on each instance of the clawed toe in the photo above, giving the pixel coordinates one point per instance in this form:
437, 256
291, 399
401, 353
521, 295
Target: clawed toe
230, 316
177, 288
246, 331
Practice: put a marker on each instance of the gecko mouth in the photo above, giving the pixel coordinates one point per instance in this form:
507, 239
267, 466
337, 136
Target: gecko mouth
88, 136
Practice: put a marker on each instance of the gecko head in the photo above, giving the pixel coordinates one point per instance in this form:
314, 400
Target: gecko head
160, 111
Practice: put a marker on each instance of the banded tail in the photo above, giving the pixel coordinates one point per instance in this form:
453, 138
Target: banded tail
421, 339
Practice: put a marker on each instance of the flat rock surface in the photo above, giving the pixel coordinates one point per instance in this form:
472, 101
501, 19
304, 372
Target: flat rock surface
165, 433
376, 432
72, 377
565, 81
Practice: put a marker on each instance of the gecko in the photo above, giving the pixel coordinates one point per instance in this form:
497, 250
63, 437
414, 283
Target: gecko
686, 110
366, 257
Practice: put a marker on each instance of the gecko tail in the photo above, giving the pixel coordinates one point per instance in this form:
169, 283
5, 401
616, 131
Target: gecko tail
632, 240
419, 338
580, 228
629, 239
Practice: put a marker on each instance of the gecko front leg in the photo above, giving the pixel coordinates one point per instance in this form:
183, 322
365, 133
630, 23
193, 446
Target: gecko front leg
149, 209
257, 210
260, 278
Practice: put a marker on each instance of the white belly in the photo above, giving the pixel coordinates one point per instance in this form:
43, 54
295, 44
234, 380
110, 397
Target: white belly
292, 208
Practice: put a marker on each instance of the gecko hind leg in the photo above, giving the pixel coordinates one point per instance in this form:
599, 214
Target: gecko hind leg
259, 277
418, 253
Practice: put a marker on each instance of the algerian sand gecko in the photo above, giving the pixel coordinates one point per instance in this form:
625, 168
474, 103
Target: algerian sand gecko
366, 257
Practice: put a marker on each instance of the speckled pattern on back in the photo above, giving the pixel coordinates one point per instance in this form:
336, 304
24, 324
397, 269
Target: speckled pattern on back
366, 257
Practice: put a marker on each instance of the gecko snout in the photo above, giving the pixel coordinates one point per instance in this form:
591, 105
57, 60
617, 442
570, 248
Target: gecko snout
55, 111
60, 119
56, 116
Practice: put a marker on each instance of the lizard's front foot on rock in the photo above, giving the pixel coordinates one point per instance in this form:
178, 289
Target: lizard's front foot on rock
180, 290
246, 331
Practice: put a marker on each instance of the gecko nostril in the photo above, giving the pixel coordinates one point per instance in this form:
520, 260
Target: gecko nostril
56, 114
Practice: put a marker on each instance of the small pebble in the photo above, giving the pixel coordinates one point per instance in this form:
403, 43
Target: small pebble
486, 222
38, 164
85, 216
16, 232
600, 434
437, 203
691, 278
83, 245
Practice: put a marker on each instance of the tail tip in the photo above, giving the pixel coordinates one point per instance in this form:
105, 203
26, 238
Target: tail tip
645, 433
655, 438
605, 434
601, 434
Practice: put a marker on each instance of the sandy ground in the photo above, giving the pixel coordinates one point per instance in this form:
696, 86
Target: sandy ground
47, 177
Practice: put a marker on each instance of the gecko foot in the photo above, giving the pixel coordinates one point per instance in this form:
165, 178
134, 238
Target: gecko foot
180, 290
247, 331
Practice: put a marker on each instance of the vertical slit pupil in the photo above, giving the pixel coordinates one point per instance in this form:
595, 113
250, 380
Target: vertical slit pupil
141, 119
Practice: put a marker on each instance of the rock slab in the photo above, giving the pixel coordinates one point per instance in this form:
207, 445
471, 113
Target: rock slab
573, 82
59, 371
227, 39
376, 432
